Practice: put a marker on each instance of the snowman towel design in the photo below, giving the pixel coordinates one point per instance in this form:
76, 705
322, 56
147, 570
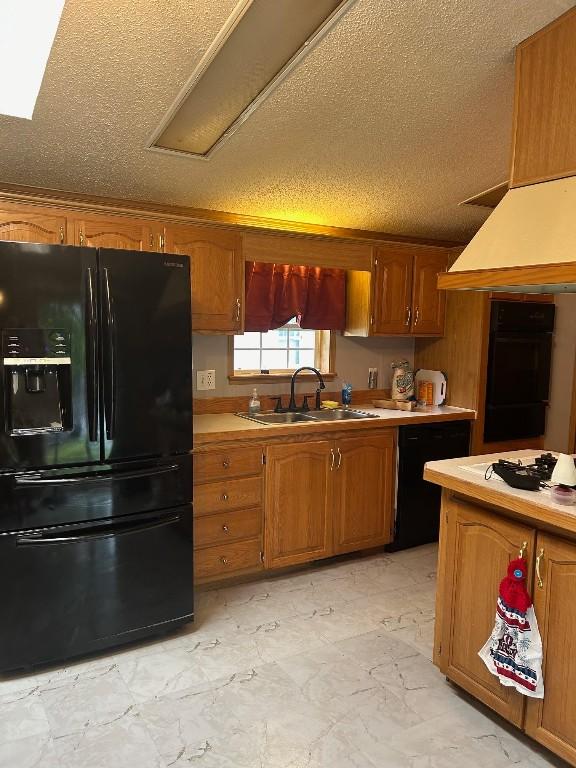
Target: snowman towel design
514, 650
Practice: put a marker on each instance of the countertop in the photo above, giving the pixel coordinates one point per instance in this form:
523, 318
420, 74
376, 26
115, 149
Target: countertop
219, 427
535, 506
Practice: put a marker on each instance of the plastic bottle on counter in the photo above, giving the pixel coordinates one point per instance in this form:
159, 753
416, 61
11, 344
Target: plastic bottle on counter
346, 394
254, 404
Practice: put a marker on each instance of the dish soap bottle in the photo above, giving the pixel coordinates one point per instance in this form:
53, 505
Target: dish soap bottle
254, 404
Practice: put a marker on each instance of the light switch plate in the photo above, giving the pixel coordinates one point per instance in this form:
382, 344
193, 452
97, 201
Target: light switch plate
205, 380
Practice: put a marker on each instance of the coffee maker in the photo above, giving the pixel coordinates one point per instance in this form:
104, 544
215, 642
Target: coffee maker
37, 371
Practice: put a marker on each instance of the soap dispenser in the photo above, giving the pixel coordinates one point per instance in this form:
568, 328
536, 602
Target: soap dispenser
254, 404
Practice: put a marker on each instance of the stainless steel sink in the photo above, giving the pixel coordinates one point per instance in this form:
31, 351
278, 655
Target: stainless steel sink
341, 414
337, 414
276, 418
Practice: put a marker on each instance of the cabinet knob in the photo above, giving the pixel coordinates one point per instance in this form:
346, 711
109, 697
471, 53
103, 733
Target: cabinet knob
224, 560
225, 528
224, 497
226, 463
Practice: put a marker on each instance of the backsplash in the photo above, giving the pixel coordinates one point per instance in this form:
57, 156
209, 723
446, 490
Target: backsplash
353, 358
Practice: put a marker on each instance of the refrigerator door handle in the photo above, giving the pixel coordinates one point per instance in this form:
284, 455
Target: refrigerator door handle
38, 539
92, 355
109, 361
81, 479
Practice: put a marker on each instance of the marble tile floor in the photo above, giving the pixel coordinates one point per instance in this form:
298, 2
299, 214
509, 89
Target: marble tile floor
327, 667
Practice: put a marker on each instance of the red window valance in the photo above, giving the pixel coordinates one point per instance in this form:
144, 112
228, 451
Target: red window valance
275, 293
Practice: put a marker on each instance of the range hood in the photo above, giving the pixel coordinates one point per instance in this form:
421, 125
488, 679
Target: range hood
527, 245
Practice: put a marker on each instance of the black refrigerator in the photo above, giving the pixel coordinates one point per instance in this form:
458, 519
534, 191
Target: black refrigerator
95, 450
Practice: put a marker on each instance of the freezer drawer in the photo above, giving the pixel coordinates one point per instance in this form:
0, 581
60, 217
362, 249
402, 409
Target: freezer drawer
80, 494
70, 590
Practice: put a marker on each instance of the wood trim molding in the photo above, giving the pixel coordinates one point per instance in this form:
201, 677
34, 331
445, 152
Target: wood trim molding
21, 194
537, 275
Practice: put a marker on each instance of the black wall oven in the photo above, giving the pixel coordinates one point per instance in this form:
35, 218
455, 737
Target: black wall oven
519, 361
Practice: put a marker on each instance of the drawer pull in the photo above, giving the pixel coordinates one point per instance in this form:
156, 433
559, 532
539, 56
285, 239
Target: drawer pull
225, 528
224, 560
224, 497
226, 463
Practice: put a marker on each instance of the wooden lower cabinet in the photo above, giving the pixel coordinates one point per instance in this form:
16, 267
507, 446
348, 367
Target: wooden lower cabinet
228, 515
480, 545
364, 489
476, 547
328, 497
552, 720
298, 507
228, 560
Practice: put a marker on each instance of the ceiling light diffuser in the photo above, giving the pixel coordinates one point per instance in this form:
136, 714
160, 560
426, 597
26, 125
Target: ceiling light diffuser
28, 31
257, 47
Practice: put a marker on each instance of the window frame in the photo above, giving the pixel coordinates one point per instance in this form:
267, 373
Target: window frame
324, 360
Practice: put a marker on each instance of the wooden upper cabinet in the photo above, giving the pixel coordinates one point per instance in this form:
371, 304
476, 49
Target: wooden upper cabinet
392, 291
480, 546
298, 503
217, 276
428, 303
33, 225
544, 137
400, 296
552, 720
116, 232
363, 494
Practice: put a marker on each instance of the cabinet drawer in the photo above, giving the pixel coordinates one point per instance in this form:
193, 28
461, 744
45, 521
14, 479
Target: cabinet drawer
226, 495
227, 526
228, 559
221, 464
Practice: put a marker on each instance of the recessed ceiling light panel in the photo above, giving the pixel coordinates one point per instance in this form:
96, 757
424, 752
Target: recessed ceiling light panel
28, 31
260, 43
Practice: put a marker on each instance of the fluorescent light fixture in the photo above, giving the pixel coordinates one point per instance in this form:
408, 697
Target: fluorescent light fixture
28, 28
257, 47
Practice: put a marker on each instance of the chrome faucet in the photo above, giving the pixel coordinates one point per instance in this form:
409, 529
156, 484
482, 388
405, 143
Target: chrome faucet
292, 404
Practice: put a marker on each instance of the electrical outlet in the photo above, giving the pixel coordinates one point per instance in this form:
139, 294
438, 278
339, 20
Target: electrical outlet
205, 380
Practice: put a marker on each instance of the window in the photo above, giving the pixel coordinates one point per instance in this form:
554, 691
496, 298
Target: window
278, 353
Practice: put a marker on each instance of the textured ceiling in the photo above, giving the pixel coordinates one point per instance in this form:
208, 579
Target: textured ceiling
400, 112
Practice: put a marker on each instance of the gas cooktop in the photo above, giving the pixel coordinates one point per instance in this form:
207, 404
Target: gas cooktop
534, 470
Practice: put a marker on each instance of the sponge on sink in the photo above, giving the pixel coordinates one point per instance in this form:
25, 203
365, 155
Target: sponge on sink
330, 404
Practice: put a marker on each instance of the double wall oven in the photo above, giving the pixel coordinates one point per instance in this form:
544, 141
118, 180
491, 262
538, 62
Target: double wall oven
519, 361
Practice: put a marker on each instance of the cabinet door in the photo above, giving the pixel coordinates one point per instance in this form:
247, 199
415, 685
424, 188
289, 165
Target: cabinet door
298, 503
217, 276
428, 303
480, 546
117, 233
544, 145
363, 492
552, 720
392, 291
33, 226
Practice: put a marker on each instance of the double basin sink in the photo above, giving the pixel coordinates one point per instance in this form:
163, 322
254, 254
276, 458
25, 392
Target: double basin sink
335, 414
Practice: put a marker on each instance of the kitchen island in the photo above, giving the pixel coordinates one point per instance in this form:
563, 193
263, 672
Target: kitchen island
484, 525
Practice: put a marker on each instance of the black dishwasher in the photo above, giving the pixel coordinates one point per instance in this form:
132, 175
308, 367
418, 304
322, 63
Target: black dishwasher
418, 501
